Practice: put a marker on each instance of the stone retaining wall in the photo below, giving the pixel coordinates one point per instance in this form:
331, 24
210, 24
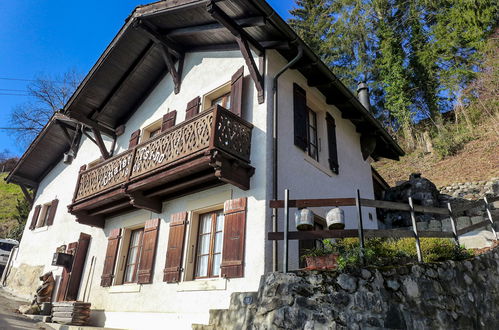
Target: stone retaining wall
447, 295
472, 190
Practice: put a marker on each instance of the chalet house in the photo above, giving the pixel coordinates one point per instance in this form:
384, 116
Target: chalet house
157, 174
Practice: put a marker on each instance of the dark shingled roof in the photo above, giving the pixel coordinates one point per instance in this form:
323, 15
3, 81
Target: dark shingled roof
132, 65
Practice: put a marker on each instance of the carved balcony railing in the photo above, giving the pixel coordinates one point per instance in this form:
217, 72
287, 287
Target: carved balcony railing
218, 135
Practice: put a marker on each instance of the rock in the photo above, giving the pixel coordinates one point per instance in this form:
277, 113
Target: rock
411, 288
347, 282
29, 309
392, 284
435, 225
422, 225
463, 222
446, 225
476, 219
365, 274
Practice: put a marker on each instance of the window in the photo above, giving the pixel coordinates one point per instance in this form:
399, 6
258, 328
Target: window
209, 245
151, 131
220, 96
133, 256
44, 215
223, 100
313, 150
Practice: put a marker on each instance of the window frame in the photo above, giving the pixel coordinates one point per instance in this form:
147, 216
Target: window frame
154, 127
42, 219
223, 90
213, 232
136, 265
312, 128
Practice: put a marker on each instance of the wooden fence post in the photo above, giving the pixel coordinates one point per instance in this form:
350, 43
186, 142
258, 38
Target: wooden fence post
286, 229
453, 224
489, 216
359, 217
415, 230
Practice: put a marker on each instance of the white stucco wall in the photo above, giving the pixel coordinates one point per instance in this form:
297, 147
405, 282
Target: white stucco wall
302, 175
179, 305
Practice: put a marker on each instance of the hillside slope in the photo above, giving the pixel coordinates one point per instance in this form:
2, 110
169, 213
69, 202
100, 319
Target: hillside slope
9, 193
477, 161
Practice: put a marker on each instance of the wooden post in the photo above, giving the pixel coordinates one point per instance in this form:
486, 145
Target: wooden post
359, 218
286, 229
453, 224
415, 230
489, 216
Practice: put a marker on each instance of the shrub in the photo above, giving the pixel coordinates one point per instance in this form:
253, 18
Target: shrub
449, 140
388, 252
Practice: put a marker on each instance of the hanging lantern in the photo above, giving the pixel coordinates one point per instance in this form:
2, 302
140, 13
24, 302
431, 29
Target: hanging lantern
304, 219
335, 219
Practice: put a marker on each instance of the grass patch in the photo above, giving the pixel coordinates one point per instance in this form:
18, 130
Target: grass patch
9, 194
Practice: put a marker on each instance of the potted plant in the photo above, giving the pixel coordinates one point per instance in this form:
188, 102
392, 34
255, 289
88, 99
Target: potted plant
322, 257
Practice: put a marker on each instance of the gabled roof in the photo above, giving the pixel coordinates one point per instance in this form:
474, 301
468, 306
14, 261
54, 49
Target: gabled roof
133, 64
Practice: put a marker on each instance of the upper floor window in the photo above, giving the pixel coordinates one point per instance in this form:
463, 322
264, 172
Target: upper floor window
313, 149
209, 244
151, 131
220, 96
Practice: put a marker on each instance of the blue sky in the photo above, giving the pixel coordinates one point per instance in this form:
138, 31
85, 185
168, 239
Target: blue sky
51, 37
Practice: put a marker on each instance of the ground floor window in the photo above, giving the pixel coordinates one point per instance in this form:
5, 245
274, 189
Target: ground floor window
133, 256
209, 244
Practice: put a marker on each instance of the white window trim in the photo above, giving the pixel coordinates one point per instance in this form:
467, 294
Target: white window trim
318, 166
146, 131
122, 255
215, 93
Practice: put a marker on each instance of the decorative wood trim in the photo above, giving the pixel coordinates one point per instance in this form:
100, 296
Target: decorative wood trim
244, 41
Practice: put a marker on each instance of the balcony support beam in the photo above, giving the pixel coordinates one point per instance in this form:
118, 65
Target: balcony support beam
176, 73
138, 200
90, 220
100, 143
244, 41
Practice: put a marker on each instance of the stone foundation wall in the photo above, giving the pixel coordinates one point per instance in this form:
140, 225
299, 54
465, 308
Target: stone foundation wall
472, 190
23, 280
447, 295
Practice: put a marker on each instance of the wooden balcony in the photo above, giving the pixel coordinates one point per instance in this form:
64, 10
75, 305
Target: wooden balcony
210, 149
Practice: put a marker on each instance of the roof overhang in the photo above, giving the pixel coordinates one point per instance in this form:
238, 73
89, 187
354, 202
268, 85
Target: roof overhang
134, 62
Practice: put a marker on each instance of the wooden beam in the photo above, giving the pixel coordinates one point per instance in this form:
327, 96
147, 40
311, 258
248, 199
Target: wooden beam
383, 233
124, 78
233, 27
277, 44
213, 27
314, 202
138, 200
100, 143
214, 47
176, 74
92, 123
29, 197
152, 32
253, 69
85, 219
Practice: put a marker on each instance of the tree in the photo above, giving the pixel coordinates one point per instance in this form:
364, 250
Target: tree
48, 95
22, 212
419, 57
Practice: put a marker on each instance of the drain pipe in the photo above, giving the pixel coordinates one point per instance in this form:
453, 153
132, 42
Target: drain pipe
275, 126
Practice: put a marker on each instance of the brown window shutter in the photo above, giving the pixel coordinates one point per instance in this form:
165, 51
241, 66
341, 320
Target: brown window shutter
36, 213
148, 253
66, 273
192, 108
111, 255
79, 259
331, 141
168, 120
234, 232
300, 117
175, 250
53, 209
236, 92
134, 139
